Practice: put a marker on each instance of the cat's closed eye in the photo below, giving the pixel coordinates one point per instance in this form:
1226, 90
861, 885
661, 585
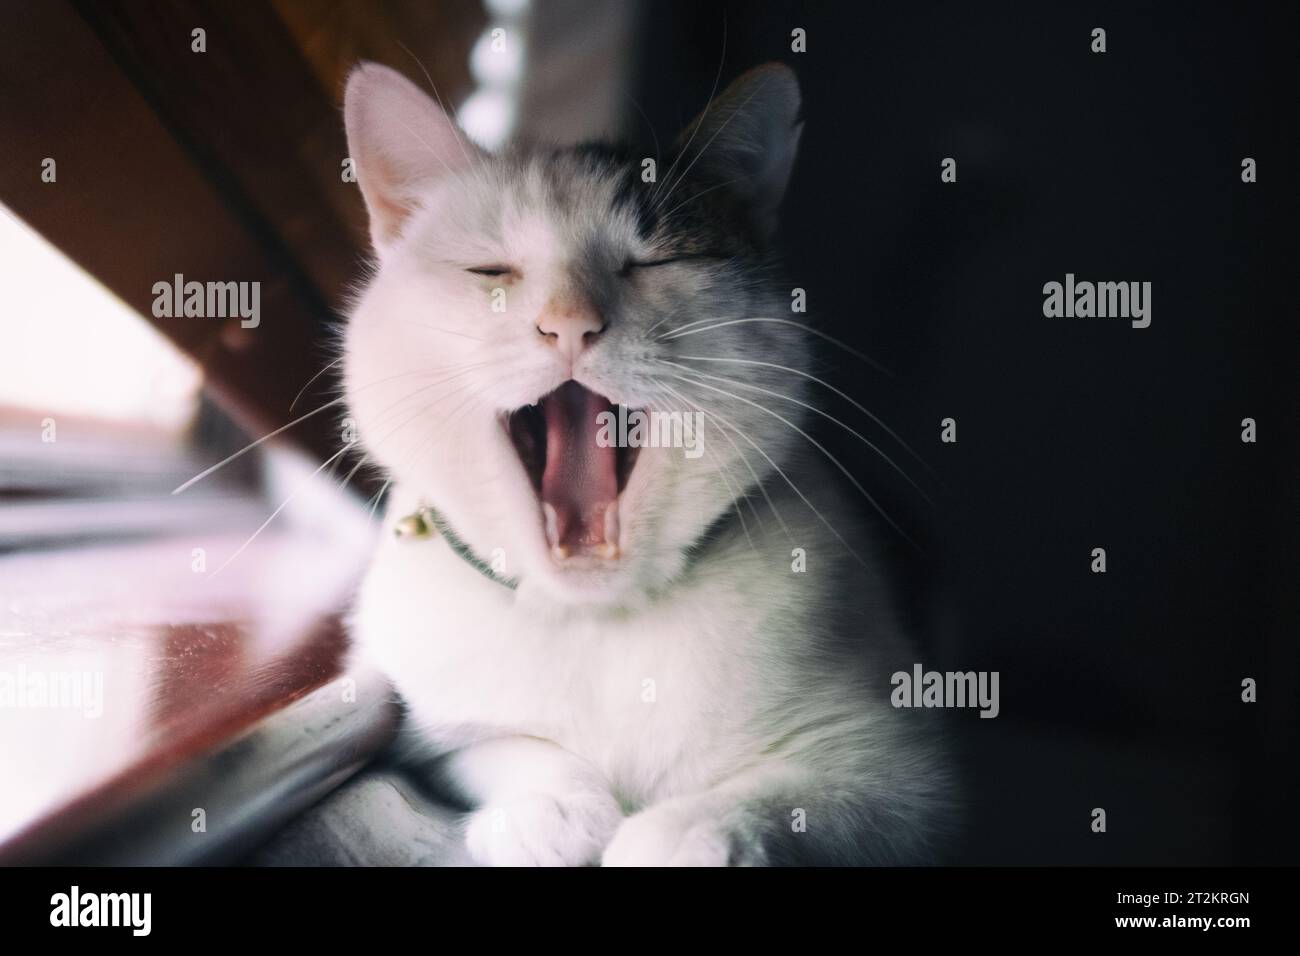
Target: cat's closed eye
632, 264
492, 271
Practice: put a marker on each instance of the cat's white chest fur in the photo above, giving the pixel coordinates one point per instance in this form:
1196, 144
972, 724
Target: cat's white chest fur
653, 697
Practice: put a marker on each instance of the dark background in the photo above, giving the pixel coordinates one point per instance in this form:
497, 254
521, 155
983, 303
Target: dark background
1119, 690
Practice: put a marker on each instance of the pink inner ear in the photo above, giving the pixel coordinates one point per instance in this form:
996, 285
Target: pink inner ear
388, 217
399, 138
383, 197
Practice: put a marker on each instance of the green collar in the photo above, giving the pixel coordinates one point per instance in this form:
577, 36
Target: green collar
425, 522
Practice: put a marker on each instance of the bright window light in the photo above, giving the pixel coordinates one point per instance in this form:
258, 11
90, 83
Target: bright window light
69, 346
496, 62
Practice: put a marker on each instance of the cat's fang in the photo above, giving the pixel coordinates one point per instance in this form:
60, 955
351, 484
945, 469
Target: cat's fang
552, 524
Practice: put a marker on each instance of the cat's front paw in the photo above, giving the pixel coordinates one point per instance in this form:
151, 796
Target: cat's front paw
666, 837
539, 829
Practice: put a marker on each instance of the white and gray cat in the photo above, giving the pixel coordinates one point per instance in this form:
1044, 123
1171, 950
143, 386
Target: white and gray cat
616, 648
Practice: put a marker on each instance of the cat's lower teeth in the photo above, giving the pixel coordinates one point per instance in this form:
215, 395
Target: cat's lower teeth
606, 548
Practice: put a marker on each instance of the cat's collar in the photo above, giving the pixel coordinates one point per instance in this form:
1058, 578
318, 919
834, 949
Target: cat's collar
426, 522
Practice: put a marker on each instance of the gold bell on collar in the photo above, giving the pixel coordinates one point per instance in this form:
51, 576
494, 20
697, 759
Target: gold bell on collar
415, 526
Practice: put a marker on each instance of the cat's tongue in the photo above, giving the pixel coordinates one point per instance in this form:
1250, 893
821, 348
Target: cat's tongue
580, 481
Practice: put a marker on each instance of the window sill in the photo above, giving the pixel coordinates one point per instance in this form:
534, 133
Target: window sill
185, 715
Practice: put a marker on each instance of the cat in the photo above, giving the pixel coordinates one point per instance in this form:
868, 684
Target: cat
613, 650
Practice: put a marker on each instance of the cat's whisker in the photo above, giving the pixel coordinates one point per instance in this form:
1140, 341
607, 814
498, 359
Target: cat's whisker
456, 131
392, 411
396, 408
434, 433
702, 192
737, 498
283, 428
433, 87
825, 384
333, 470
418, 414
457, 177
757, 481
382, 415
434, 328
795, 488
375, 498
424, 372
722, 59
284, 504
419, 371
649, 125
312, 379
424, 410
676, 334
455, 127
812, 408
723, 125
468, 399
684, 325
355, 468
816, 444
737, 494
762, 488
249, 447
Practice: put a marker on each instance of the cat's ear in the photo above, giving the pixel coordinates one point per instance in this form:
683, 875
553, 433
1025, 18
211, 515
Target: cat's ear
748, 138
399, 140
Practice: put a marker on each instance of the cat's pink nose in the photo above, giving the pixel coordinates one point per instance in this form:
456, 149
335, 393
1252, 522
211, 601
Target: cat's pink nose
570, 324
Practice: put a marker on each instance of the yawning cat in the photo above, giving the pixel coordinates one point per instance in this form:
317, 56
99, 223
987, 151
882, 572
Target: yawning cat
628, 655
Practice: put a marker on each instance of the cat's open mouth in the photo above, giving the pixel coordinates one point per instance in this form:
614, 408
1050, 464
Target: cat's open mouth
577, 472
